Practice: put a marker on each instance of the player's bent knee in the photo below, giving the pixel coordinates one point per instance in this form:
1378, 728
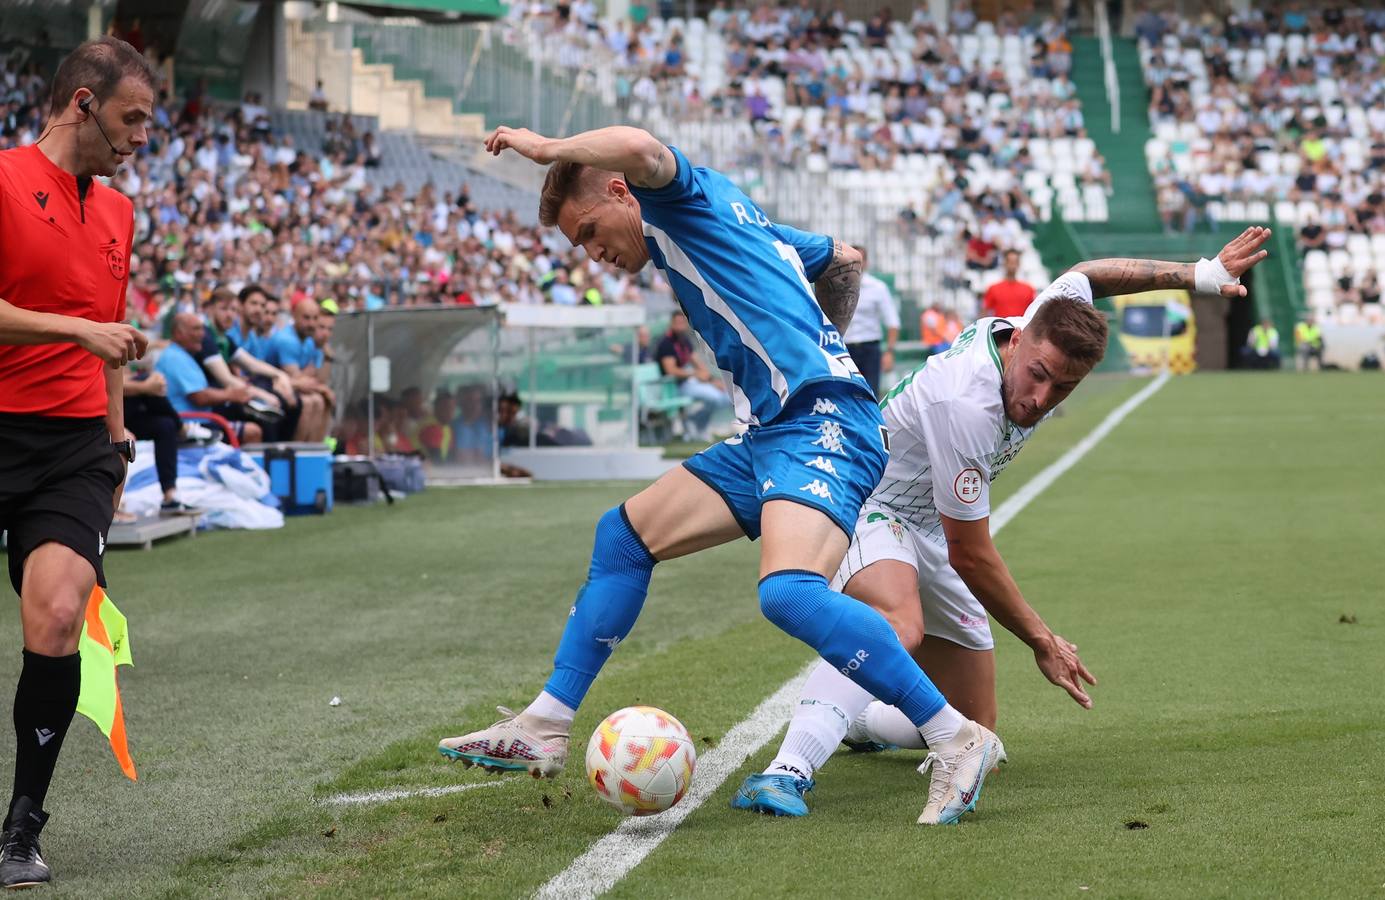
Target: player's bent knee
793, 600
618, 549
910, 633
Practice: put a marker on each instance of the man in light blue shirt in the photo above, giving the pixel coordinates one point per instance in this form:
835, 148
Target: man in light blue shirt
293, 349
187, 386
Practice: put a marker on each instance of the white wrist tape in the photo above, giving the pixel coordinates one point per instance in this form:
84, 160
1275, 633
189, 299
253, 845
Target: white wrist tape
1209, 276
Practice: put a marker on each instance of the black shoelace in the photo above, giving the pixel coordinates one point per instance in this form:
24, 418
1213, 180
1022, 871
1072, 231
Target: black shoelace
20, 846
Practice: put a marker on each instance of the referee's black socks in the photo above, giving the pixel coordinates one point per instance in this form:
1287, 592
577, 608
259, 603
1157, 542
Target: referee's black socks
44, 705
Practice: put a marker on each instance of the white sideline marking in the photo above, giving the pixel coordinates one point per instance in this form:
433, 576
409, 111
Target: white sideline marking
613, 856
609, 859
1035, 486
387, 796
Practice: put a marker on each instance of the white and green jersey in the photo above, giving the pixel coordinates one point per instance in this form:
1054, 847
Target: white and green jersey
949, 435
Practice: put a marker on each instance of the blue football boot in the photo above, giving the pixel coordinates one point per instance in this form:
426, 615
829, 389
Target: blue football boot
773, 795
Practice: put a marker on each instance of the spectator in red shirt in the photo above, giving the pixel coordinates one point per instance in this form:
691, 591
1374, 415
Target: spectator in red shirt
980, 252
1009, 296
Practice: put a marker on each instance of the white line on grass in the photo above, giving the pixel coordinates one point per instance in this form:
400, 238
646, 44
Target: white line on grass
387, 796
611, 858
1039, 483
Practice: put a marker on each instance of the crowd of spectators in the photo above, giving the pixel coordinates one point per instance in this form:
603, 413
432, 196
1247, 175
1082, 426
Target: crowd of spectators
221, 200
990, 104
1280, 107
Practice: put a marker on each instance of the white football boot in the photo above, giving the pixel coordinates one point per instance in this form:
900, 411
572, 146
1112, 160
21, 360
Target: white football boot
958, 769
517, 743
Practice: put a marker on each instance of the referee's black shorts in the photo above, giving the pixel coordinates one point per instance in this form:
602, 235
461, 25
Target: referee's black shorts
57, 483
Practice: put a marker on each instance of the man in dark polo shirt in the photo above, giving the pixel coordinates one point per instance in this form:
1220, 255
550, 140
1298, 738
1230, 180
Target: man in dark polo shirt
64, 267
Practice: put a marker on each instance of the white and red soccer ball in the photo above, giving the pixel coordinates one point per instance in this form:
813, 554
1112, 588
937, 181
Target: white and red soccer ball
640, 760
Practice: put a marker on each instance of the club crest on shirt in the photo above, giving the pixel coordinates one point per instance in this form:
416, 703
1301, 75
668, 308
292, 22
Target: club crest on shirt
115, 259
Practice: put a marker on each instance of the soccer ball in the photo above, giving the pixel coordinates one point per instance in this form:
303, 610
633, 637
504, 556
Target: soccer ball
640, 760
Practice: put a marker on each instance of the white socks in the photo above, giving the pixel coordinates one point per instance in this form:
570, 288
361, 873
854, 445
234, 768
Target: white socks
829, 703
942, 728
887, 725
547, 706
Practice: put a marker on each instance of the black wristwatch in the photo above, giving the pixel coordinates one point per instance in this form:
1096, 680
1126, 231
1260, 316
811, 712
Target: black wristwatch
125, 449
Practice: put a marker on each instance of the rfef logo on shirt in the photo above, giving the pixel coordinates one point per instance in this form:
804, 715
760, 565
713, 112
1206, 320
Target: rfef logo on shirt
115, 260
967, 485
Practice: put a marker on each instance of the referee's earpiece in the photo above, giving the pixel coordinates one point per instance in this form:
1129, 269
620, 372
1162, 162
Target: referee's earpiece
85, 105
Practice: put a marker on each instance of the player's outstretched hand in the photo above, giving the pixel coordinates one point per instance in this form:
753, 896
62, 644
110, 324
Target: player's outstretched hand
115, 342
1243, 252
523, 141
1059, 662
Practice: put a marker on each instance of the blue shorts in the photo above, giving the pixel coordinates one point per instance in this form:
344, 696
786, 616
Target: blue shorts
827, 450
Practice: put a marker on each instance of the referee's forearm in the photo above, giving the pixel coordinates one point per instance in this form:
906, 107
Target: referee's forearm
115, 403
24, 326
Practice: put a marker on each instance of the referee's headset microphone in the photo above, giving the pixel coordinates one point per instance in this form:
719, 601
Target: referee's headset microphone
85, 106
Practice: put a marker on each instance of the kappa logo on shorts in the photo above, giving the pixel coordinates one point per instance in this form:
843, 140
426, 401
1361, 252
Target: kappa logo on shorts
822, 464
100, 544
967, 621
823, 407
829, 437
818, 489
967, 485
769, 483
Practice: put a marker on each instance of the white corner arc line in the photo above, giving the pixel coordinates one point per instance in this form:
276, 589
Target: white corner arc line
609, 859
388, 796
612, 857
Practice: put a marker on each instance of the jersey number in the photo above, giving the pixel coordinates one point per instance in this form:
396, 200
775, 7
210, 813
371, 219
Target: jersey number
790, 255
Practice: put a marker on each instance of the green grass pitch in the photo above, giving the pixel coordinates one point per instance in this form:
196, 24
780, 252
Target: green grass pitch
1202, 557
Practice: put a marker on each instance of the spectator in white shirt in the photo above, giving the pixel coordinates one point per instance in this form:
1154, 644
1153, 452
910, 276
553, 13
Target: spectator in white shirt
876, 311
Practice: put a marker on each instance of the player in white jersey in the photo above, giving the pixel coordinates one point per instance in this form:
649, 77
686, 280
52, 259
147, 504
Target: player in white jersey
922, 552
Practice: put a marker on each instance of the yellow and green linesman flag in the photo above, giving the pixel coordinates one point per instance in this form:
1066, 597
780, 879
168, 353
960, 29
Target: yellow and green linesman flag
105, 644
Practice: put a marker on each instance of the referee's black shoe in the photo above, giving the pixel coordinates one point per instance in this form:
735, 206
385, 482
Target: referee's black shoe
21, 865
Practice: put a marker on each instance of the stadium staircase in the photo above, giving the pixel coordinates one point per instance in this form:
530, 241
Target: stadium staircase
398, 101
1134, 229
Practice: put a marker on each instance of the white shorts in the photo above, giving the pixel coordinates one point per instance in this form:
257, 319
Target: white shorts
950, 610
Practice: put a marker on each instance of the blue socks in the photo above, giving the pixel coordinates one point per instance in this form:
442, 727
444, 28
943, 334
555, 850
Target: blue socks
605, 609
851, 636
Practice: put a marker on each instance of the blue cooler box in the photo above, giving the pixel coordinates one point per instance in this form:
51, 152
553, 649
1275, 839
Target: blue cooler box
300, 475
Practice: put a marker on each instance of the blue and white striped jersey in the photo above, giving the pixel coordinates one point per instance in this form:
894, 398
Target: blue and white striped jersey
746, 286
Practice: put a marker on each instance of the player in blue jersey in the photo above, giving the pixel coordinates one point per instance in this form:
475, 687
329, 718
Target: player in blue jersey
771, 302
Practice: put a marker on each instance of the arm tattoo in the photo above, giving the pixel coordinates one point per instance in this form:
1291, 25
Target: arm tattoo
839, 287
1130, 276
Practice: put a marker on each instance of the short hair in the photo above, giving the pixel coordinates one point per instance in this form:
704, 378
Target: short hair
249, 289
1075, 327
564, 181
220, 295
99, 66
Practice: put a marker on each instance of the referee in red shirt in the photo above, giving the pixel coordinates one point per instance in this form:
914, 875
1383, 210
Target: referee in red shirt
1009, 296
65, 244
